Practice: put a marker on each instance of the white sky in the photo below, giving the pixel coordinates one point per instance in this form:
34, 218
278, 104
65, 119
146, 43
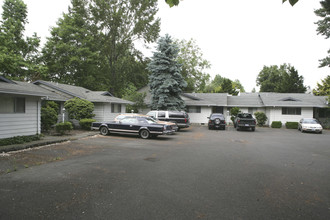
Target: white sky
237, 37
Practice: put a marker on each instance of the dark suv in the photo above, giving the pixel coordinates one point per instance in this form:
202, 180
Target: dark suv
181, 118
217, 120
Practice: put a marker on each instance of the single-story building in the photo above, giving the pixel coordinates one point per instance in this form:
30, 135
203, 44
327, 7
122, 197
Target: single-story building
282, 107
106, 106
20, 104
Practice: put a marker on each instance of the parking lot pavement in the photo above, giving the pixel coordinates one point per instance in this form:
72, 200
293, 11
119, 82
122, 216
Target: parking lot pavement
194, 174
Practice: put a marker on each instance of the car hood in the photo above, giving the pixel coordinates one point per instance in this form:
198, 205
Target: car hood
311, 125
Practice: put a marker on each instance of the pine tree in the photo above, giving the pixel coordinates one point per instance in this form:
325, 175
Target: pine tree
166, 82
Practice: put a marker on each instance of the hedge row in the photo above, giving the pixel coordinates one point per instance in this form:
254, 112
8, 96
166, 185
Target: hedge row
289, 124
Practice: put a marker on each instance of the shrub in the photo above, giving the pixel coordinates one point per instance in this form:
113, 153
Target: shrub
261, 118
63, 127
234, 112
19, 140
48, 115
79, 108
291, 125
276, 124
86, 123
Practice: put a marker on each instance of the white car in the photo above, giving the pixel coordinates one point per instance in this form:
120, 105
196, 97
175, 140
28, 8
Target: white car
310, 124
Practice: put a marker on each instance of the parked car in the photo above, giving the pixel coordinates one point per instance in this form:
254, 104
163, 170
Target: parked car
181, 118
142, 126
172, 124
310, 124
217, 120
244, 120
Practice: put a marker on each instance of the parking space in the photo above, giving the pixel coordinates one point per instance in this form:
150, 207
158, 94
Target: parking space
195, 174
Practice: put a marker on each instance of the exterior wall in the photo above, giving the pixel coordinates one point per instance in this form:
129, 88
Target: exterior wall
102, 112
22, 124
200, 118
275, 114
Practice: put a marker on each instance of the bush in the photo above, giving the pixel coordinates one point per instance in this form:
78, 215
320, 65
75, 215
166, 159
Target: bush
49, 115
291, 125
261, 118
19, 140
63, 127
234, 112
276, 124
79, 108
86, 123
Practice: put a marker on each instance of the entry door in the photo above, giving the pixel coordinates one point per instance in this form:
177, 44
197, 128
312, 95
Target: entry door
217, 109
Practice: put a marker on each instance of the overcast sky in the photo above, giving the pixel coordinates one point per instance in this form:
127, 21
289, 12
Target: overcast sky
237, 37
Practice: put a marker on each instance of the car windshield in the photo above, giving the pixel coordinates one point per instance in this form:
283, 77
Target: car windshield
217, 116
310, 121
244, 115
150, 120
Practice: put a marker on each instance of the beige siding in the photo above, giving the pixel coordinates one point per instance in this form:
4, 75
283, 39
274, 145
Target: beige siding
22, 124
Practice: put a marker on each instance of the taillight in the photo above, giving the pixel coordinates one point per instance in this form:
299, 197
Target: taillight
238, 121
224, 121
185, 120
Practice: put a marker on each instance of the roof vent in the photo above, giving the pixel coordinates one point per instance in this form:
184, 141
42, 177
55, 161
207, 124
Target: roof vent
290, 99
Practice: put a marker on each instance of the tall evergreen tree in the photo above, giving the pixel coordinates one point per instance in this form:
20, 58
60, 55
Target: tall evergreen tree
324, 27
19, 55
166, 82
323, 88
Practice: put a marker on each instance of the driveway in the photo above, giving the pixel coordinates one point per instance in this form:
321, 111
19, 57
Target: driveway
194, 174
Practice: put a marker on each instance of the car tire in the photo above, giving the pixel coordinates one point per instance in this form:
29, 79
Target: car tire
253, 129
144, 134
104, 131
237, 128
320, 132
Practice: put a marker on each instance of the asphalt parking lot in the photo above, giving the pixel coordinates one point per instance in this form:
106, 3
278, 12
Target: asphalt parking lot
194, 174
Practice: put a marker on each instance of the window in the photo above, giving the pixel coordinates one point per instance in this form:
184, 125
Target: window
193, 109
12, 105
291, 111
161, 114
115, 108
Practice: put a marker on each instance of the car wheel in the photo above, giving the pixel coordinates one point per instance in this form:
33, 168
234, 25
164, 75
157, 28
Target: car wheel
302, 131
320, 132
253, 129
145, 134
237, 128
104, 131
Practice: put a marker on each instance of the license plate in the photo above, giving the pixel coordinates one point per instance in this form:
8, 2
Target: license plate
247, 125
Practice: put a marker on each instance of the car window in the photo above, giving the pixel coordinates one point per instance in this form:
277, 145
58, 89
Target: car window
244, 115
129, 121
176, 115
152, 114
161, 114
213, 116
310, 121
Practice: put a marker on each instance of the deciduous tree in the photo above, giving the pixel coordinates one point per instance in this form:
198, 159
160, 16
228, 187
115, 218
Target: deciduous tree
283, 79
19, 55
193, 65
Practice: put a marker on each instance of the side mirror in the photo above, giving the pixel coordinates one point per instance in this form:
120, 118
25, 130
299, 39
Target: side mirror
208, 117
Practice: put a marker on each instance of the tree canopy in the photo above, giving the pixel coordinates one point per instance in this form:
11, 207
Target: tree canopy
224, 85
283, 79
19, 55
193, 65
172, 3
93, 44
166, 82
324, 27
323, 88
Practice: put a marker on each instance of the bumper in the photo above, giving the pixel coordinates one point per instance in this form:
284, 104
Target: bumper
312, 129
